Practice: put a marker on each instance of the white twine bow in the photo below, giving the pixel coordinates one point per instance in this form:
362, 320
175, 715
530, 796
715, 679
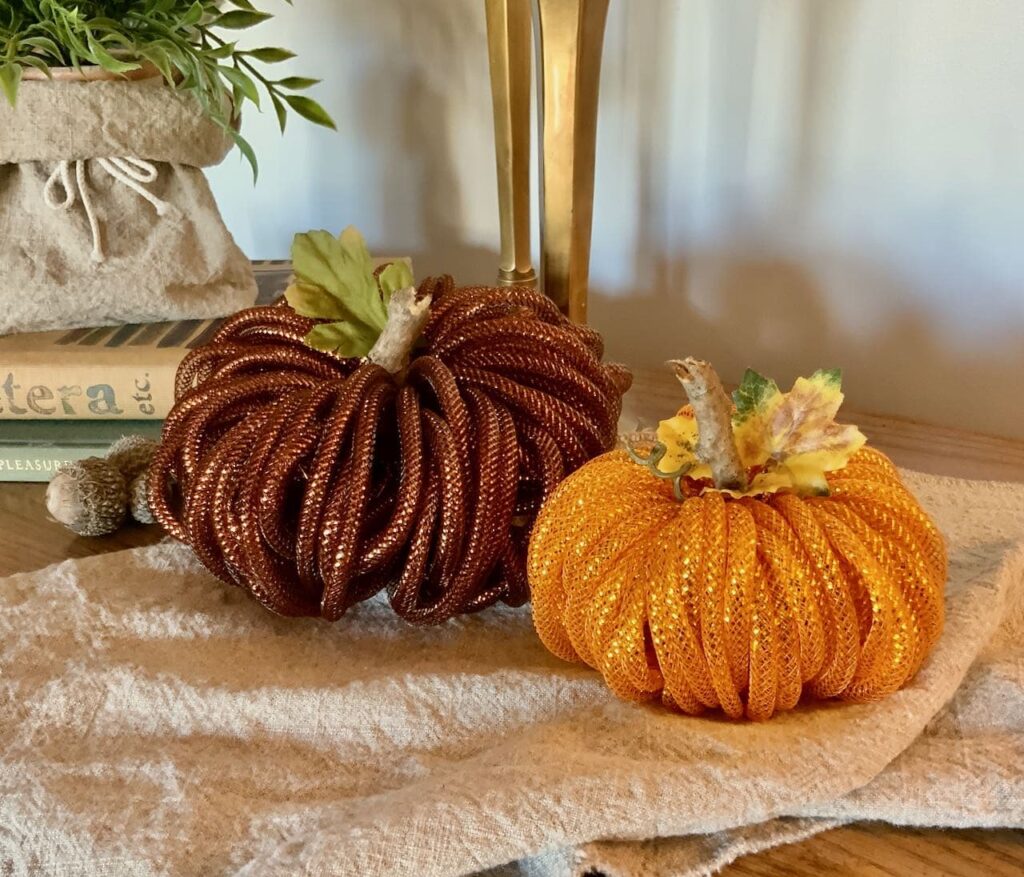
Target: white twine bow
132, 172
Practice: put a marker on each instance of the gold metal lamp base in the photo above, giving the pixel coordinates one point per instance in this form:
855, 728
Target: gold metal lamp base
515, 277
570, 36
508, 45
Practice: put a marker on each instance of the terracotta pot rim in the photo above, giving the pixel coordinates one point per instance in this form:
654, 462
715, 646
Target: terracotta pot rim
92, 74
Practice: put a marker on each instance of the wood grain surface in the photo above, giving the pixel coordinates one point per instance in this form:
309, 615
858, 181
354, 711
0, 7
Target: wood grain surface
30, 540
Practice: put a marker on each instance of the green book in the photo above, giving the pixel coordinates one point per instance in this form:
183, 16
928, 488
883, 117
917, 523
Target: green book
33, 450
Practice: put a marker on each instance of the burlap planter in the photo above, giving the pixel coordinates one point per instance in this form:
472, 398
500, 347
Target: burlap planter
105, 214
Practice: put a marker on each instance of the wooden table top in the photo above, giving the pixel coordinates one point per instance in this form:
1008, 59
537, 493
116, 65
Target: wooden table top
31, 540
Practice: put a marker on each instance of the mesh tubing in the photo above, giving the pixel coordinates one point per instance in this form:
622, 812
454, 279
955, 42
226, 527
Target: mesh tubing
738, 605
314, 482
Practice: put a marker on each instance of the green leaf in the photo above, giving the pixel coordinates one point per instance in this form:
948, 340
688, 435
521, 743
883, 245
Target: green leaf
270, 56
752, 394
39, 65
158, 58
314, 255
184, 39
354, 245
242, 82
309, 300
396, 276
193, 16
44, 44
343, 339
10, 79
222, 53
309, 109
829, 376
280, 110
240, 19
245, 147
297, 83
341, 266
108, 61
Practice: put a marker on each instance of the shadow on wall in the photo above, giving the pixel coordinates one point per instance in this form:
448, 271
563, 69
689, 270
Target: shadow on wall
774, 221
772, 315
419, 109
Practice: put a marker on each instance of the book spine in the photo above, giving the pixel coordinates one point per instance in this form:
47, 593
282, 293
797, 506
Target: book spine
107, 392
39, 464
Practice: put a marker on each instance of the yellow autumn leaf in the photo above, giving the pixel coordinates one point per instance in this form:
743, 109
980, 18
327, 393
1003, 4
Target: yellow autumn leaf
805, 417
804, 431
807, 471
794, 435
803, 474
786, 441
757, 399
679, 436
764, 482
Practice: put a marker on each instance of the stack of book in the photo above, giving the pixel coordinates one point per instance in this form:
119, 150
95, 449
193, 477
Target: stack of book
68, 395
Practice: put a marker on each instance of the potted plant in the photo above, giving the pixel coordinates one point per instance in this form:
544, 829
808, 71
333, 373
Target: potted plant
186, 42
101, 176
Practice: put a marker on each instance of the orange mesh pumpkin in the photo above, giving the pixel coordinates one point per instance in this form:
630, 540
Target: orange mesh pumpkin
683, 593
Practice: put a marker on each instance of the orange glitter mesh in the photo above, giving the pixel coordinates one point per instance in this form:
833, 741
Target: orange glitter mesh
738, 604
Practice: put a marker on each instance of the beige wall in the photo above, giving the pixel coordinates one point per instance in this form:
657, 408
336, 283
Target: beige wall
781, 184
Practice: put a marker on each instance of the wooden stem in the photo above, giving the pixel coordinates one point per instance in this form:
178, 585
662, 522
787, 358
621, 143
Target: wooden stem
712, 409
407, 316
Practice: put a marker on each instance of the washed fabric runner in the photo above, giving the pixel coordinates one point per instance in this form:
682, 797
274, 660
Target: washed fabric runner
159, 722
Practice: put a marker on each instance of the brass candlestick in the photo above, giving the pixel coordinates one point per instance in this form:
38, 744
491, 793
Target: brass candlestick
570, 35
508, 44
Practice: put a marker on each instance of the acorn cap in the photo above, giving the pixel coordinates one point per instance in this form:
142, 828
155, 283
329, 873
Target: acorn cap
89, 497
131, 455
138, 502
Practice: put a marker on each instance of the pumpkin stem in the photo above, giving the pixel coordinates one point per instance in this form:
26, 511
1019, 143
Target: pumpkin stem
407, 315
712, 409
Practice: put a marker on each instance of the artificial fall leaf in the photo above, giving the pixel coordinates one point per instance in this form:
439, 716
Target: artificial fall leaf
803, 474
314, 301
342, 267
396, 276
756, 399
344, 339
793, 437
354, 246
806, 472
678, 435
334, 280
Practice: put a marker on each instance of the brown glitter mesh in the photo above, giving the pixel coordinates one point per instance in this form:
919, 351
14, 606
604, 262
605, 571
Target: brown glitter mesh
738, 605
314, 481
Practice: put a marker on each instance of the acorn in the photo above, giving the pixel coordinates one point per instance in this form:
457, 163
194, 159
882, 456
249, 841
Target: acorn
93, 496
138, 501
88, 497
131, 454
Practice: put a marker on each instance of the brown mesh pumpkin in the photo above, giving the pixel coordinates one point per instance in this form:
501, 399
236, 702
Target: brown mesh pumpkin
682, 591
315, 481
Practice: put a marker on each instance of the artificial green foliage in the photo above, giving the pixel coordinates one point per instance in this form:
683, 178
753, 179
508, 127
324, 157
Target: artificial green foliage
792, 439
786, 441
191, 42
334, 280
397, 275
751, 395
